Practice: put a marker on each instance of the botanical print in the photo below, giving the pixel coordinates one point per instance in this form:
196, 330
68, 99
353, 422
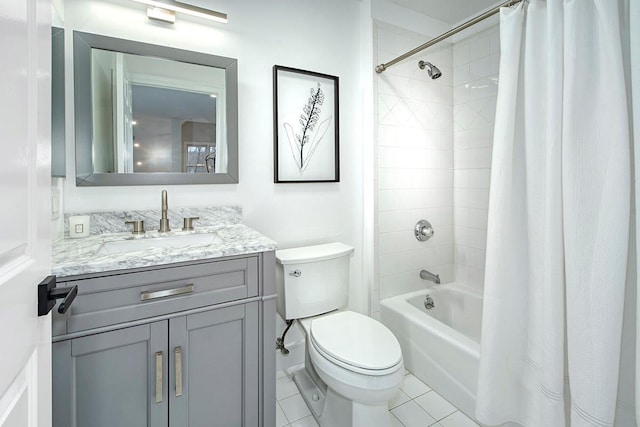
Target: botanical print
304, 144
305, 126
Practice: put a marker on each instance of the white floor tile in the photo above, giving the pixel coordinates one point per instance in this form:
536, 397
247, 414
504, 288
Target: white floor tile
395, 422
281, 419
458, 419
305, 422
435, 405
398, 399
281, 374
285, 387
413, 387
294, 407
412, 415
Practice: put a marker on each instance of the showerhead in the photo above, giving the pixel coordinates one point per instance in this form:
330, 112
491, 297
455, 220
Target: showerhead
433, 71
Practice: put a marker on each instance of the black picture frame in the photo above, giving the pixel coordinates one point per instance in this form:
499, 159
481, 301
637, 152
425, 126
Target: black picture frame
305, 126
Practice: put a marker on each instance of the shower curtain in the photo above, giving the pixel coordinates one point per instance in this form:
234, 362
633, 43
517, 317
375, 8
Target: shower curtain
559, 218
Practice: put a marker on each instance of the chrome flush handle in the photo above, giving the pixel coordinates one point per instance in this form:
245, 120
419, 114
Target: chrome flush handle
295, 273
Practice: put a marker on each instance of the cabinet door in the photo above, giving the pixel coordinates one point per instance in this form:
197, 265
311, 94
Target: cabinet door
115, 378
217, 369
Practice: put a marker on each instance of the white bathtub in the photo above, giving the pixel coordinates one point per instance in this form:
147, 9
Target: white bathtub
441, 346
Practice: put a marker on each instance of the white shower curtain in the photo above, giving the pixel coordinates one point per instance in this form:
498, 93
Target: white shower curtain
559, 215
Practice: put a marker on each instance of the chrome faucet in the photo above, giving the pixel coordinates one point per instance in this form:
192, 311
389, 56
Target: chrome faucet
164, 221
427, 275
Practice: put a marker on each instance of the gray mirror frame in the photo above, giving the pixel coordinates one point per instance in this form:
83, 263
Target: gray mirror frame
85, 176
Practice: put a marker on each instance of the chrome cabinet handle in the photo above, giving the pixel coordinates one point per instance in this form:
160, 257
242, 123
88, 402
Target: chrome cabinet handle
159, 377
146, 295
178, 356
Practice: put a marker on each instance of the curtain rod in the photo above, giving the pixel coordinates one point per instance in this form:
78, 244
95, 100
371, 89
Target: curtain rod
380, 68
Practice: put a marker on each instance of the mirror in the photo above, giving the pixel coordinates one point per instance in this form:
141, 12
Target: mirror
58, 163
148, 114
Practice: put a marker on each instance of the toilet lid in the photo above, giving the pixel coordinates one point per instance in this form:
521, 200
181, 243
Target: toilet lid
356, 340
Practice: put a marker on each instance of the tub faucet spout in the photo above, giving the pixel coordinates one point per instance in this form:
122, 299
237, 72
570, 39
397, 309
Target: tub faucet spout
427, 275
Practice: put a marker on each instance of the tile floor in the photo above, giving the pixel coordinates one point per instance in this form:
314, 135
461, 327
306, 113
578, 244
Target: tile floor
415, 405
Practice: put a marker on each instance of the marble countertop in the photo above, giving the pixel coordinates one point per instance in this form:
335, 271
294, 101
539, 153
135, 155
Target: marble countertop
71, 257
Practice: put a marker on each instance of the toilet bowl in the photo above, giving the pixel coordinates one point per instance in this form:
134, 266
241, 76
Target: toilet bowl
353, 363
360, 362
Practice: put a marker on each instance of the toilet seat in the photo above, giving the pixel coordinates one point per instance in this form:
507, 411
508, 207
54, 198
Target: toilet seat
356, 342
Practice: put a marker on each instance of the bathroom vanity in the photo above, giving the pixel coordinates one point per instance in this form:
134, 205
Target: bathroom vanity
178, 334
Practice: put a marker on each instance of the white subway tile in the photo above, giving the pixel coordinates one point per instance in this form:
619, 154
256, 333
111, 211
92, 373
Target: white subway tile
387, 157
477, 138
461, 94
481, 88
461, 252
477, 258
476, 278
386, 39
387, 200
472, 178
461, 74
494, 40
431, 178
479, 158
480, 68
393, 263
461, 273
460, 53
394, 178
403, 43
479, 47
387, 136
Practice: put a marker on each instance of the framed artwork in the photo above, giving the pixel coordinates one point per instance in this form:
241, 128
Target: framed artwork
305, 126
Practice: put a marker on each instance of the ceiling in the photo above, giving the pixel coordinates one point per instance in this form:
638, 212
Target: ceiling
449, 11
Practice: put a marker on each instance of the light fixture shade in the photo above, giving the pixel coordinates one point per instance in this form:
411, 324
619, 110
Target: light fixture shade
187, 9
160, 14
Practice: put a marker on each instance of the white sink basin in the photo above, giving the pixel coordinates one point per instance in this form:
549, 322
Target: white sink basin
179, 241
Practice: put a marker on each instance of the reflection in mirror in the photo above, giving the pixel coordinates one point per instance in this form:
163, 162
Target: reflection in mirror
58, 153
147, 114
149, 117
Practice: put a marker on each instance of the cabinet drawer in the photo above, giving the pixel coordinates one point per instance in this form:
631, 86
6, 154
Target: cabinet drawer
119, 298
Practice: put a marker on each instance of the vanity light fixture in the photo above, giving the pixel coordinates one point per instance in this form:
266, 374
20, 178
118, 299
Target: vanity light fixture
163, 15
169, 7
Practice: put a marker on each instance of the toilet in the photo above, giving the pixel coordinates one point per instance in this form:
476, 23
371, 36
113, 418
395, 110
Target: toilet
353, 363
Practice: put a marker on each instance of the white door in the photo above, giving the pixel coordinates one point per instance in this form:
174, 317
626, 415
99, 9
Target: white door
25, 243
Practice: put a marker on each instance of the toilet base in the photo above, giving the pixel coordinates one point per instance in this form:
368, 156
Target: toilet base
331, 410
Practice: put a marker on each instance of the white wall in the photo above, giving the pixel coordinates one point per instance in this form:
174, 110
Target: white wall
316, 36
475, 79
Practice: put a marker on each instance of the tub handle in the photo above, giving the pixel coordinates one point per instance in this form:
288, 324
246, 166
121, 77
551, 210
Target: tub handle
428, 302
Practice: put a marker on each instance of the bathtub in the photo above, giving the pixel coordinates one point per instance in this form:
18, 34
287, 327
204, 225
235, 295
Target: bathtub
441, 346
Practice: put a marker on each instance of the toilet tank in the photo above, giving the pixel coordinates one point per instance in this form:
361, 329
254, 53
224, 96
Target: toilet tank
312, 280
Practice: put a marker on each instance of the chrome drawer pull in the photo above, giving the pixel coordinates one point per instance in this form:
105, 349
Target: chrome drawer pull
159, 377
146, 295
178, 358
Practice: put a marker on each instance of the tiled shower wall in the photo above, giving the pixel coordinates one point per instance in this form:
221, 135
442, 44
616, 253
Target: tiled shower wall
414, 171
475, 88
433, 159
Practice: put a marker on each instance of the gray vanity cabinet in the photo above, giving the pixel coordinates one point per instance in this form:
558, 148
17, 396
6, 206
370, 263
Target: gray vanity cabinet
109, 379
196, 359
219, 354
